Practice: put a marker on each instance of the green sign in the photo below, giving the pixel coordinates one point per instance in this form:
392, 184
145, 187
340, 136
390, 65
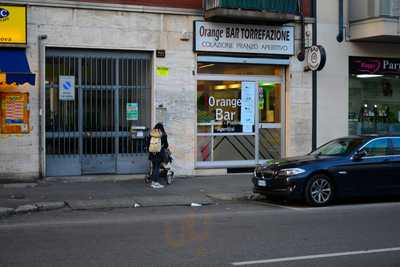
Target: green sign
132, 111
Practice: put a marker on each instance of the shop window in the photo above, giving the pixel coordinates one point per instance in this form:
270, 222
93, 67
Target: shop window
219, 102
374, 97
269, 102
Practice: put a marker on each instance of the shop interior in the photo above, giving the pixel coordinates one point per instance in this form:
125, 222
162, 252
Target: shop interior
374, 104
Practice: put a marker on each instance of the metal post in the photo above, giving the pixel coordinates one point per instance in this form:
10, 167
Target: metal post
80, 109
116, 112
314, 81
42, 106
212, 140
256, 125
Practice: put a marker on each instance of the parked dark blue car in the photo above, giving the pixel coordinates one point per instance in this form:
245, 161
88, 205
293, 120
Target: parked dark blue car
349, 166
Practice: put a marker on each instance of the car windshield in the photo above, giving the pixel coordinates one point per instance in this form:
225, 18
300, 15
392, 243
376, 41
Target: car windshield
338, 147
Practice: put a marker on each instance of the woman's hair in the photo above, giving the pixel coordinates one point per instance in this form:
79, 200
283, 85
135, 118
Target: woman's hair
160, 127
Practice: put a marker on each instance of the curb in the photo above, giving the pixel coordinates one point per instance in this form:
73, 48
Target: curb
45, 206
229, 196
144, 201
26, 208
101, 204
18, 185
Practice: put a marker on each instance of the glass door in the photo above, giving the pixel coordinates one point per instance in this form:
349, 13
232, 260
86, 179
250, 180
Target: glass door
270, 102
238, 116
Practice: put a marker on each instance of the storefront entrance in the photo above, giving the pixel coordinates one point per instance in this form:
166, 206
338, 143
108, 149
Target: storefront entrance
240, 114
97, 111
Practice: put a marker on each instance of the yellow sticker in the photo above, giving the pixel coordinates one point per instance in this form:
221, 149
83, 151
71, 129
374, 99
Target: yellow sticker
162, 71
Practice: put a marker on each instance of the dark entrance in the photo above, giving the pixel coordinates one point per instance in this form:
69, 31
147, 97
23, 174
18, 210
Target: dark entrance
88, 129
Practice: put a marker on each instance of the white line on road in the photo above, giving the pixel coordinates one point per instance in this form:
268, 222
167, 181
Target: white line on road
317, 256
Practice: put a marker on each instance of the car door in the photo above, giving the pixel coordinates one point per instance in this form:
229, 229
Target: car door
371, 173
395, 160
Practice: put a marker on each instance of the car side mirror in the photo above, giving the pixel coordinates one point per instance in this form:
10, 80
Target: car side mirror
359, 154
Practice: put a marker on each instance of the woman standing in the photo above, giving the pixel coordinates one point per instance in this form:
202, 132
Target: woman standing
157, 145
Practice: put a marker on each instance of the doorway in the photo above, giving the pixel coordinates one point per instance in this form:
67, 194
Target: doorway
97, 111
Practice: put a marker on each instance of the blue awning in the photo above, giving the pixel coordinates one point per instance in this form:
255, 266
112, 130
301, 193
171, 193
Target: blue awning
14, 64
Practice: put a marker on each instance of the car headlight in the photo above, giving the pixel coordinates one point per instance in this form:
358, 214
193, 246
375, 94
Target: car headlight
291, 172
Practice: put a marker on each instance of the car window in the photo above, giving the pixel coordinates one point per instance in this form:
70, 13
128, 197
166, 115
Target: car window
395, 146
379, 147
338, 147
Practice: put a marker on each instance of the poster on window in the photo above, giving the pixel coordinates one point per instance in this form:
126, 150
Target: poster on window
132, 111
247, 111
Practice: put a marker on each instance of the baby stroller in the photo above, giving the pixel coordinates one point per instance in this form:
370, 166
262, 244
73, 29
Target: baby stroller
165, 168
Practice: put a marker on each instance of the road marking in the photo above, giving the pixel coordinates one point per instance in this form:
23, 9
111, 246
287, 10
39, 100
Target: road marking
317, 256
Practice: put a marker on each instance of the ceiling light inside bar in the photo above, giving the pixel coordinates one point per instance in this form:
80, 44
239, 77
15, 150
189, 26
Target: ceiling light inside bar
368, 75
234, 86
220, 87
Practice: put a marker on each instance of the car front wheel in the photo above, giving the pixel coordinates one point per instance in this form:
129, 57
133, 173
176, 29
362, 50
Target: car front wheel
319, 190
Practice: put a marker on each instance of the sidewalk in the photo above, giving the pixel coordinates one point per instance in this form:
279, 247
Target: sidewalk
98, 194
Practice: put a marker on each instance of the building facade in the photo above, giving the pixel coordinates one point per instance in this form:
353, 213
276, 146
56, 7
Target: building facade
358, 90
226, 80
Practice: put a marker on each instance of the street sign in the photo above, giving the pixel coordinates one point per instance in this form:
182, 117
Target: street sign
67, 88
316, 57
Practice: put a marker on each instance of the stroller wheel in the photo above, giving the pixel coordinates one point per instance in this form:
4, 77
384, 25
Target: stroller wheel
147, 179
170, 177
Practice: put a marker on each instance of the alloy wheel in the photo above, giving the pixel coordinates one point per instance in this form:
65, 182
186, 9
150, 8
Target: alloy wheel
320, 191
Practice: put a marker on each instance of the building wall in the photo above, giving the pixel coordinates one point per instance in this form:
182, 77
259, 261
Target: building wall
333, 80
194, 4
298, 107
75, 27
83, 28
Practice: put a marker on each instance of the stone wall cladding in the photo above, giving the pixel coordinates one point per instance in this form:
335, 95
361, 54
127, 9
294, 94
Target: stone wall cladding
298, 107
81, 28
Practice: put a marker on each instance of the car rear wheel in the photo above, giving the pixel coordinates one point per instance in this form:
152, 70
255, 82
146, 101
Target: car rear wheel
319, 190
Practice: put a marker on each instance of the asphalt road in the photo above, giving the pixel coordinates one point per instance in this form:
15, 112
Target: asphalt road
229, 234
